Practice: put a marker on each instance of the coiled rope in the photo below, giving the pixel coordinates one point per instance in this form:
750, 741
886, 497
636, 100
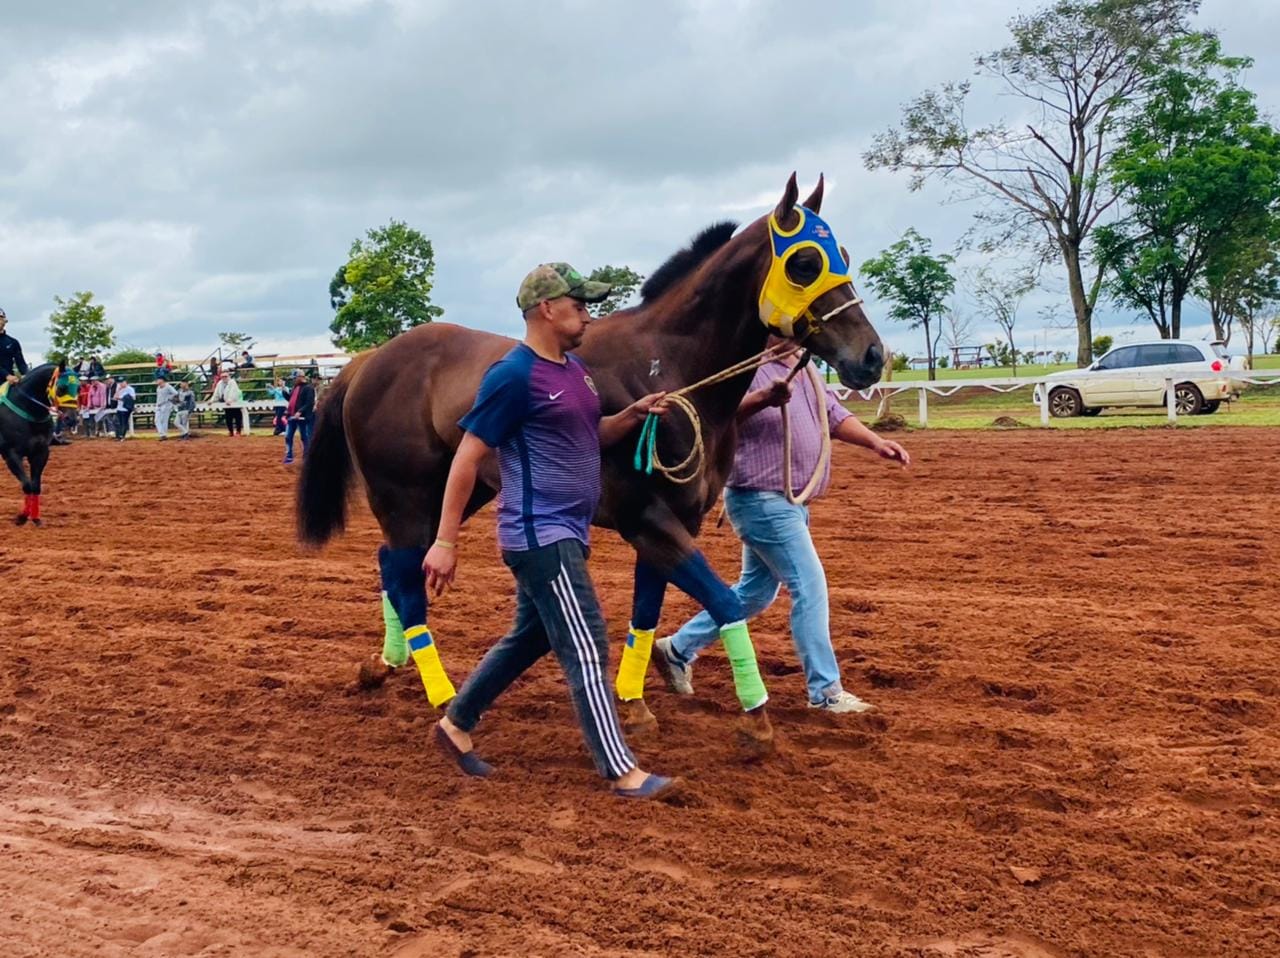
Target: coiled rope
648, 461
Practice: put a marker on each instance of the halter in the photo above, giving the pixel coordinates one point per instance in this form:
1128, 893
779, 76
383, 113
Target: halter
784, 301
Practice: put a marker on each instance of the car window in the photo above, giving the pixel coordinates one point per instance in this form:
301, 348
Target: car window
1121, 358
1187, 354
1156, 354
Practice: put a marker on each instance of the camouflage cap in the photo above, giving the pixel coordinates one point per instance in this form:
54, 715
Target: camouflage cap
553, 280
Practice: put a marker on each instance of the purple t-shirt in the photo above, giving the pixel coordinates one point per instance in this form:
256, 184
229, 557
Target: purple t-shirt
543, 417
758, 463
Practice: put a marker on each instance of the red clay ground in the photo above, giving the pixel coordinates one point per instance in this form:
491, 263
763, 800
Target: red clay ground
1072, 639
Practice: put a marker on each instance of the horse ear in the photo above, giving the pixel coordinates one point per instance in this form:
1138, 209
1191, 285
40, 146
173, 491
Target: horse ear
785, 212
843, 252
814, 202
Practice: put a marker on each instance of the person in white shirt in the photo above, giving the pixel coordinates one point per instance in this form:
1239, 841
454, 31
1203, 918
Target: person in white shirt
227, 392
165, 397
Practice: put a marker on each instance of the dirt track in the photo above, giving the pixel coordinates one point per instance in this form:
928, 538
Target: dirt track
1076, 754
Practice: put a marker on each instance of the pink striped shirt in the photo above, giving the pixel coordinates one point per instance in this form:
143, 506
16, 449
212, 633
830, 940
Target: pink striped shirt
758, 463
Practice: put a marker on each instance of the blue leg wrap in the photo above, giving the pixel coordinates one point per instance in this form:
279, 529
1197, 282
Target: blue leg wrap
646, 598
404, 583
695, 576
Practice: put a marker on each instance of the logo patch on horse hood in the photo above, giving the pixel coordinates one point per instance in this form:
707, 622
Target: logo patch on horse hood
782, 301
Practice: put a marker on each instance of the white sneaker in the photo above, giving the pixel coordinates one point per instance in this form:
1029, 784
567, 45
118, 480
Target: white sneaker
678, 676
842, 702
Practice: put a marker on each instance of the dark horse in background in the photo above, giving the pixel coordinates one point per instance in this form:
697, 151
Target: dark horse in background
392, 415
27, 411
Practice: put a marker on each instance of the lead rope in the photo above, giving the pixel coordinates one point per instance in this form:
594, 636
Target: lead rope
824, 455
646, 458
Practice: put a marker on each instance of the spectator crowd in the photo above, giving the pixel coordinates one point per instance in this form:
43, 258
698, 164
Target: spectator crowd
106, 404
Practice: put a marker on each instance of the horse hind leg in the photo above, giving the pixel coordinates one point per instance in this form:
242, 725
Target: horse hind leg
405, 606
37, 456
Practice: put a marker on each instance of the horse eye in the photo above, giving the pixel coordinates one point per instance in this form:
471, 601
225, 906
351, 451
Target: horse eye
803, 269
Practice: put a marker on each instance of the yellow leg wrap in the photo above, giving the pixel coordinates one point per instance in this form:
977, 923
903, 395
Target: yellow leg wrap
439, 689
634, 664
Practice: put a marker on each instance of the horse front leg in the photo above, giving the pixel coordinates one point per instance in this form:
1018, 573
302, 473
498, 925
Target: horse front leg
649, 588
14, 461
667, 549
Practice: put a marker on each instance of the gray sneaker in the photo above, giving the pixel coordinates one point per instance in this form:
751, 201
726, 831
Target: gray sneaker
842, 702
677, 675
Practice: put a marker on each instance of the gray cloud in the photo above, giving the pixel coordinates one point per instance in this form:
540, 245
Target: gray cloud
205, 166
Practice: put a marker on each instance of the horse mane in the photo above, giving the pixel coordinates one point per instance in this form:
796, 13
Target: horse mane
684, 262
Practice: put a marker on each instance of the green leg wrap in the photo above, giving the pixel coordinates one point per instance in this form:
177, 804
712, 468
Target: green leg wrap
746, 672
395, 650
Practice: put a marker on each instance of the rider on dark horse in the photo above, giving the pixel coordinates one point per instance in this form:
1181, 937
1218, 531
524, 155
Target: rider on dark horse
12, 365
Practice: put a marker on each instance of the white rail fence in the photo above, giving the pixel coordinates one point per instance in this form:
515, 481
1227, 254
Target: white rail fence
215, 408
1171, 377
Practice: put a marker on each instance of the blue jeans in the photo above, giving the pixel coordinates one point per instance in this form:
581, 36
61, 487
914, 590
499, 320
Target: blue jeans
300, 426
776, 550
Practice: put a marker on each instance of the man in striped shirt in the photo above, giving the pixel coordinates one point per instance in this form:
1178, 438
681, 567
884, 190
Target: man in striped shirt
776, 546
538, 407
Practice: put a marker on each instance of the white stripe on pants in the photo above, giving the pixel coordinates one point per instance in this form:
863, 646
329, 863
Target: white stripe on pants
592, 675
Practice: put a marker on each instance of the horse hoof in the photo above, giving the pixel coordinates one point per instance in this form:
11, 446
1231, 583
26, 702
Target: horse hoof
755, 735
373, 672
20, 519
37, 522
636, 718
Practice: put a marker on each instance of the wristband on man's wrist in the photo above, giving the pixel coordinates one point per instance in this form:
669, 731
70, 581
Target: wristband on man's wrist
446, 544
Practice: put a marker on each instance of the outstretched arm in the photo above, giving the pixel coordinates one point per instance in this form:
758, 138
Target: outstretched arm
441, 562
852, 431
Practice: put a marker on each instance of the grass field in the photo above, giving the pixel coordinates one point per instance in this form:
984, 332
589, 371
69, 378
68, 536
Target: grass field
977, 409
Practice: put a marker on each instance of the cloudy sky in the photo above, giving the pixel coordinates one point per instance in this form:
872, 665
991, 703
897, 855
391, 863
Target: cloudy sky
205, 166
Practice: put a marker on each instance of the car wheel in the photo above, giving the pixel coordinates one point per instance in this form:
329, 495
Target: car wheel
1064, 403
1187, 399
1210, 407
1090, 410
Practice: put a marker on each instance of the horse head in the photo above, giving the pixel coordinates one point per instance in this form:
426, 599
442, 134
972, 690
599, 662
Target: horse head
64, 387
807, 293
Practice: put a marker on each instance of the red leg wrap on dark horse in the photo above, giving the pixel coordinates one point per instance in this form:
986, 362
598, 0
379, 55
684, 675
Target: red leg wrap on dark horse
26, 506
34, 512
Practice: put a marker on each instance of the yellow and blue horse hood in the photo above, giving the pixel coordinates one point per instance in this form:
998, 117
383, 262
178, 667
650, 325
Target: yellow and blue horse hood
783, 301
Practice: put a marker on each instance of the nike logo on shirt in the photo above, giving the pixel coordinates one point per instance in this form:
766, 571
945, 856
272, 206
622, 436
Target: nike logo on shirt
555, 396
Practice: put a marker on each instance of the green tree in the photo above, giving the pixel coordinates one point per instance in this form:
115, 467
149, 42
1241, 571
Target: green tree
78, 327
235, 342
1001, 354
384, 288
625, 282
1000, 297
1074, 68
1196, 164
129, 355
1101, 344
1241, 278
917, 284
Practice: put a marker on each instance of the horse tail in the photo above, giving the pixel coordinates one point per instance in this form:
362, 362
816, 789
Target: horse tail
327, 468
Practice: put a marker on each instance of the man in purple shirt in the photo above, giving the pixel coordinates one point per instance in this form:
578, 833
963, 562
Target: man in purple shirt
776, 546
538, 407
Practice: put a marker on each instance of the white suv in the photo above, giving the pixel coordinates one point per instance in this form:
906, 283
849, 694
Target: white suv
1134, 375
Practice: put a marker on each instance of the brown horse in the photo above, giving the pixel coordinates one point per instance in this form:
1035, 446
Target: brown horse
392, 414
